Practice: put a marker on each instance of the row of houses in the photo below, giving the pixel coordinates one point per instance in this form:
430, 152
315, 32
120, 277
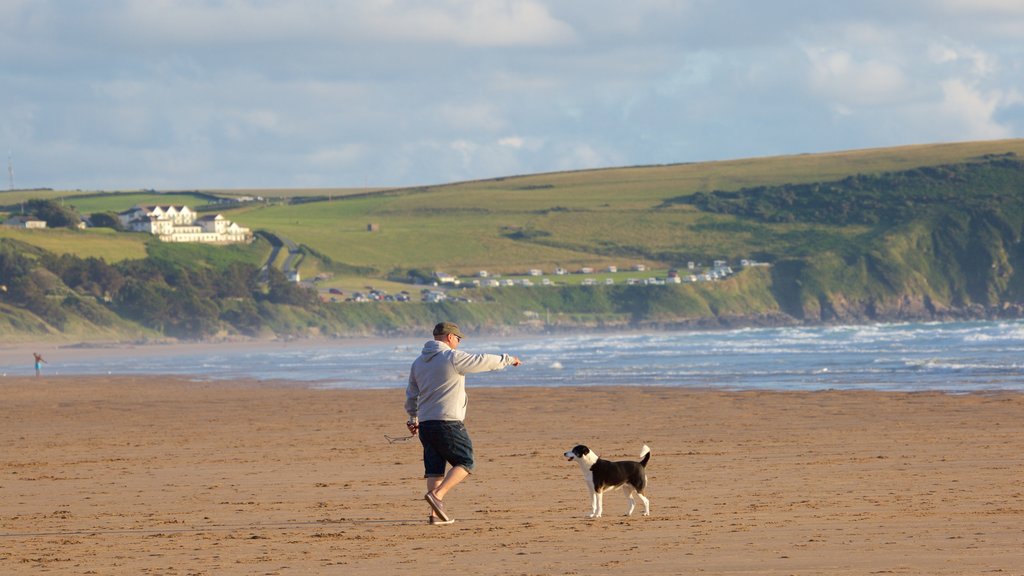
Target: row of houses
693, 272
719, 270
559, 271
182, 224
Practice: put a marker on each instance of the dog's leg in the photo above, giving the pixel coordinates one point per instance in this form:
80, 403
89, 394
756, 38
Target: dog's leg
598, 504
647, 504
629, 492
594, 504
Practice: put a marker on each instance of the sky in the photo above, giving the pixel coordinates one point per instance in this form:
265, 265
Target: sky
212, 94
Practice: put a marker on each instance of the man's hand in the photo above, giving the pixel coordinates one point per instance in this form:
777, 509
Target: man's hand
412, 425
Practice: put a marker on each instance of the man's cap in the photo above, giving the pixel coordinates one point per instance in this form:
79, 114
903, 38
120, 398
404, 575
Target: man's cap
443, 328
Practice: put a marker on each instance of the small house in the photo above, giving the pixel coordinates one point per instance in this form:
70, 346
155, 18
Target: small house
29, 222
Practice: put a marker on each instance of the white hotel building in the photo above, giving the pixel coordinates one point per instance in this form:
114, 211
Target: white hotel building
181, 224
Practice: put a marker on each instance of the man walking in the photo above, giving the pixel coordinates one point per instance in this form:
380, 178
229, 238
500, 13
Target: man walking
436, 403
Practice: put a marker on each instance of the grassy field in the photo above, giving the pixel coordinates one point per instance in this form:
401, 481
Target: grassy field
116, 200
408, 237
283, 193
571, 219
255, 252
125, 200
12, 198
88, 202
97, 242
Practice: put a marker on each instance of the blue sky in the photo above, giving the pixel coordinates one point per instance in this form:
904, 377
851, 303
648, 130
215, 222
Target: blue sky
186, 94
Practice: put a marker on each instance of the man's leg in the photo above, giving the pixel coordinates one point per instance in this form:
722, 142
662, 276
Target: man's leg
433, 482
453, 445
440, 487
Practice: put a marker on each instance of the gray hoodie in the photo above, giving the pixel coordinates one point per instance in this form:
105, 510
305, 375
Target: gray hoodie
437, 380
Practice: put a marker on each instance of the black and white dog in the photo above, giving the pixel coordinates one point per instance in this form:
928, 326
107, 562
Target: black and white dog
603, 475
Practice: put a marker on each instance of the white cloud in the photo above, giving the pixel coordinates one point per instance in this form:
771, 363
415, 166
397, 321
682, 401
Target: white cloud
997, 7
971, 111
582, 156
511, 142
849, 82
478, 23
974, 60
942, 54
201, 23
345, 156
473, 116
465, 151
343, 22
239, 93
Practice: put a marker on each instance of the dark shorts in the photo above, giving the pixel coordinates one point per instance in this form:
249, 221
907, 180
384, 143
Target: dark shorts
445, 441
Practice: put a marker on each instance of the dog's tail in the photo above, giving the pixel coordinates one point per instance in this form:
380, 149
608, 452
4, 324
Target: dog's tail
645, 454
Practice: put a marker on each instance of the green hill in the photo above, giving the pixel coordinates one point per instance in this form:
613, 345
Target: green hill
588, 218
917, 232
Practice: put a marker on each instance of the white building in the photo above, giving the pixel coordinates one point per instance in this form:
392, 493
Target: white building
30, 222
181, 224
445, 278
227, 230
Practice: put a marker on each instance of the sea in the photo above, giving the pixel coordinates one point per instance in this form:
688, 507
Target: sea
959, 357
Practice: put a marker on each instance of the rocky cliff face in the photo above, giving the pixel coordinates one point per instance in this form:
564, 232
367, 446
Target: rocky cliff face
952, 266
905, 308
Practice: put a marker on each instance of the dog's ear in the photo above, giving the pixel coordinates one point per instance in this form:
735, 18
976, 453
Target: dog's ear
581, 450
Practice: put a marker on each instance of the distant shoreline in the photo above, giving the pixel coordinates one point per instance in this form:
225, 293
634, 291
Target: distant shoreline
699, 324
15, 353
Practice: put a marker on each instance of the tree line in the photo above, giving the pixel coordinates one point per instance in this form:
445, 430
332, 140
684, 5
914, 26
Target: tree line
185, 301
992, 184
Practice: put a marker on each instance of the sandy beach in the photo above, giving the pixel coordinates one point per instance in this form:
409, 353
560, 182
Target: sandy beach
155, 475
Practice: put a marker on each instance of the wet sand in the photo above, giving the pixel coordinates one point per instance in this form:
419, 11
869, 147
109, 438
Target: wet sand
158, 475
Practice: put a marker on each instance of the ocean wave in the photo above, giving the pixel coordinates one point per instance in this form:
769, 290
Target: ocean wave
911, 356
954, 365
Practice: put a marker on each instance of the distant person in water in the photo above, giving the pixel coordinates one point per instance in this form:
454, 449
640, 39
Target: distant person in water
39, 363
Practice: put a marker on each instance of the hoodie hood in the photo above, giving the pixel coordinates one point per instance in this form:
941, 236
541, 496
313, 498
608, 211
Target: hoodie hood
433, 347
